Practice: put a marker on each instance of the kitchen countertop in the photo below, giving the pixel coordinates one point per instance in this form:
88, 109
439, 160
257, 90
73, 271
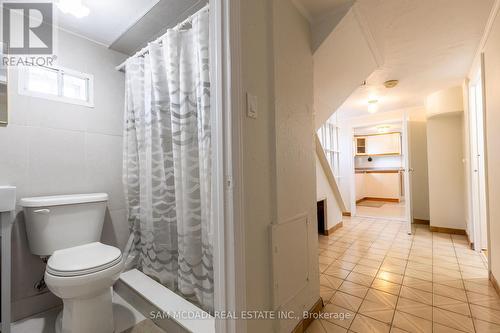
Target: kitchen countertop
379, 169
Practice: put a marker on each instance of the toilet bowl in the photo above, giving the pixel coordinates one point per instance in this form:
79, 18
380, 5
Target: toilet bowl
80, 270
82, 277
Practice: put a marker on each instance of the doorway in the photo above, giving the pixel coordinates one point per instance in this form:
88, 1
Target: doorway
381, 182
321, 207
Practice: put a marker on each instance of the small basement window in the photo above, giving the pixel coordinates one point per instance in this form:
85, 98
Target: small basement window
57, 84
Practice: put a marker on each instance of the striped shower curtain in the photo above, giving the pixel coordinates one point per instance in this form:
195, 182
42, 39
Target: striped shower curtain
167, 169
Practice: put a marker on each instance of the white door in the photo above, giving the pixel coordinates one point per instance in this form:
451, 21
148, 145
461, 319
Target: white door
405, 147
478, 178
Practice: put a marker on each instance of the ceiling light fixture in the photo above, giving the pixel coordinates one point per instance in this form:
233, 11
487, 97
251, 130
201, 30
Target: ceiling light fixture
391, 83
383, 128
73, 7
372, 106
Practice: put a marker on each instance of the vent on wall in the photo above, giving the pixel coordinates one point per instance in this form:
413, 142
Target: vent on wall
164, 15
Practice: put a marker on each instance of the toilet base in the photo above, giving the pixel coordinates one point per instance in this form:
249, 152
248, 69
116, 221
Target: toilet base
93, 314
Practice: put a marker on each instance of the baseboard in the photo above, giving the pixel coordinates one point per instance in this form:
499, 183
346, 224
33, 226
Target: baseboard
420, 221
305, 322
494, 282
381, 199
334, 228
346, 213
471, 244
448, 230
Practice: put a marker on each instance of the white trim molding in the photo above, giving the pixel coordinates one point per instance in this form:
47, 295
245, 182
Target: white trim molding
231, 289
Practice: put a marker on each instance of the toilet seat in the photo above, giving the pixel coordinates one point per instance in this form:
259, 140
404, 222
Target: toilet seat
83, 259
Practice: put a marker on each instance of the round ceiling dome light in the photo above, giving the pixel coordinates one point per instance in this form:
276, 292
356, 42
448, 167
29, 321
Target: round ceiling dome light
391, 83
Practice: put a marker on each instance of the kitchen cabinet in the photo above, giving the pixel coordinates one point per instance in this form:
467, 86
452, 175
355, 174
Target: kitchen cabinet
381, 185
378, 144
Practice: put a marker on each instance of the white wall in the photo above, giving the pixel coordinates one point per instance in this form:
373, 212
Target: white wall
420, 175
446, 171
56, 148
378, 185
295, 143
492, 120
324, 191
378, 162
258, 151
278, 148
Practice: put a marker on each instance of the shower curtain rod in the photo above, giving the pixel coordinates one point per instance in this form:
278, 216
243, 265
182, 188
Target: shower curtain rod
144, 50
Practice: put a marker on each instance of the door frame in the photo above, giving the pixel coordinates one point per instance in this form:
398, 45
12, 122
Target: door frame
477, 161
407, 169
229, 228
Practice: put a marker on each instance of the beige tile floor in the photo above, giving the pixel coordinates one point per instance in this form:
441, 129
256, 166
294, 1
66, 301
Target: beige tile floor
390, 210
376, 278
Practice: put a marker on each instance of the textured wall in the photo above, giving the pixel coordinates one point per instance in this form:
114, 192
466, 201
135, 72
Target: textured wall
53, 148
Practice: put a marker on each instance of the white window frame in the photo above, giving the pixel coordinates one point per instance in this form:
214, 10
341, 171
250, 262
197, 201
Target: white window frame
23, 84
330, 141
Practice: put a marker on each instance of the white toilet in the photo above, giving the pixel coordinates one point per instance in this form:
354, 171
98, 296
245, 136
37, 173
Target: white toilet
80, 270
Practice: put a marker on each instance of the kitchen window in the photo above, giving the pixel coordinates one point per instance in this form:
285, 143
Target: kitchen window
57, 84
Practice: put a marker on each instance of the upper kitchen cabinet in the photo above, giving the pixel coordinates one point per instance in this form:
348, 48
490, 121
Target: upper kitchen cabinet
378, 144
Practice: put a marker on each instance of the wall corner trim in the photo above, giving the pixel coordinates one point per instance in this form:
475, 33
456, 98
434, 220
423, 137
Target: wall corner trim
494, 282
305, 322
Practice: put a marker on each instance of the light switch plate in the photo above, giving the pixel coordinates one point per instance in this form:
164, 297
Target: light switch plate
252, 106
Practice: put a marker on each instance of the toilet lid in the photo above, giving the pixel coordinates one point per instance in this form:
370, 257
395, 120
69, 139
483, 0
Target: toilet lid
83, 259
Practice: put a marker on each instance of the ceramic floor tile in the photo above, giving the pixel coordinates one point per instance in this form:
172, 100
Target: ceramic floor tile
325, 260
338, 315
332, 328
486, 314
363, 324
315, 327
450, 292
417, 284
486, 327
484, 287
415, 308
391, 277
459, 284
453, 320
487, 301
386, 286
330, 281
336, 272
422, 275
379, 305
344, 265
451, 304
411, 323
366, 270
438, 328
359, 278
416, 295
354, 289
346, 301
326, 293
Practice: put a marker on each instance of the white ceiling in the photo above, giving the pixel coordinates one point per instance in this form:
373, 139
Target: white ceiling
317, 8
427, 45
108, 19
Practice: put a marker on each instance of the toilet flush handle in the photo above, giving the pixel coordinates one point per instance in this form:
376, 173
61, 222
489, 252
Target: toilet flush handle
44, 211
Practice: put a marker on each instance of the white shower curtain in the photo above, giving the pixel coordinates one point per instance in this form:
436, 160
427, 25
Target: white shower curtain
167, 168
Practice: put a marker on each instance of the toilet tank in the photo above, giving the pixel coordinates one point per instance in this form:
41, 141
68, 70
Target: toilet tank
63, 221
